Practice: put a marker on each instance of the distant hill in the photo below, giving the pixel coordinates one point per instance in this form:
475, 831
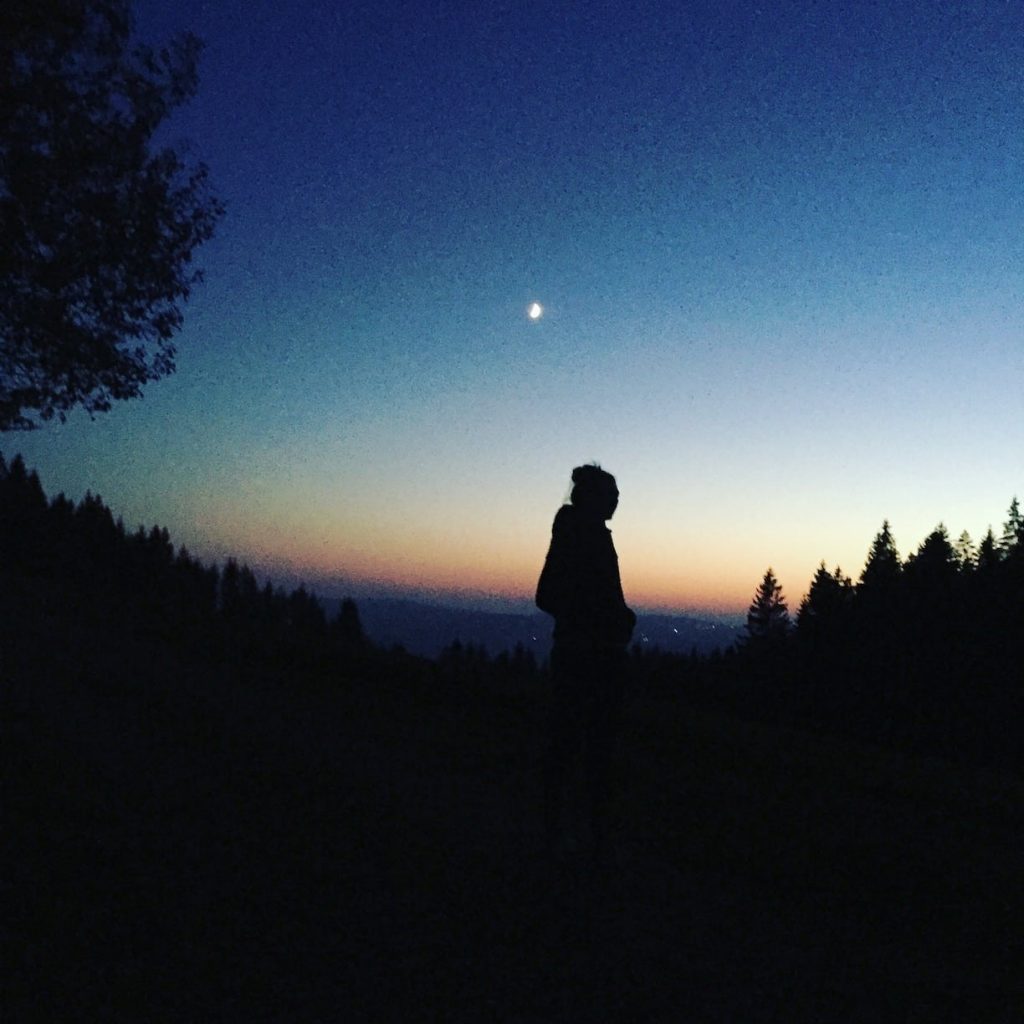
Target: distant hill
425, 629
681, 634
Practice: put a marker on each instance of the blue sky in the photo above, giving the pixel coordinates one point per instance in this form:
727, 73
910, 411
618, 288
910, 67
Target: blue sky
779, 251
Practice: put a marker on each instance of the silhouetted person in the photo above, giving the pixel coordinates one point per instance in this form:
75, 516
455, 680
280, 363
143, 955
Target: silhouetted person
580, 587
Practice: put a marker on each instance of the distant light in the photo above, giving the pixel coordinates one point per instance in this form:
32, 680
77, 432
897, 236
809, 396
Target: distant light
536, 311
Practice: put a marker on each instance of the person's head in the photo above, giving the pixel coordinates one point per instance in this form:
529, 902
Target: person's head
594, 492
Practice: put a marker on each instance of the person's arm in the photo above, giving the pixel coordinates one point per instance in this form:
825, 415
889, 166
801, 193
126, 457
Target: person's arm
557, 583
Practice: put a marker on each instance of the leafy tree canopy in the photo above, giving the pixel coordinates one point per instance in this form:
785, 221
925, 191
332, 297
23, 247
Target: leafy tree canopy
98, 226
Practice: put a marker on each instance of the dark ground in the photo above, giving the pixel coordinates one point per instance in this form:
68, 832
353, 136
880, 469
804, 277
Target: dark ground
184, 847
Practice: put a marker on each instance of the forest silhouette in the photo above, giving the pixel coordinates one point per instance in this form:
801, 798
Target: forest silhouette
922, 654
223, 803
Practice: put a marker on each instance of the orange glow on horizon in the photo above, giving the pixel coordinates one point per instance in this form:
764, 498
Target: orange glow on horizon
511, 580
672, 573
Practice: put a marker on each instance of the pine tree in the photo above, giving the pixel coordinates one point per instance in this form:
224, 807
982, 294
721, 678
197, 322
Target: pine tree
965, 553
230, 589
827, 599
883, 566
935, 561
347, 626
988, 553
1013, 530
768, 616
932, 576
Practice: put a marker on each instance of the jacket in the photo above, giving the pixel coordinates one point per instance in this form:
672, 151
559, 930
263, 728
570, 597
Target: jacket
580, 585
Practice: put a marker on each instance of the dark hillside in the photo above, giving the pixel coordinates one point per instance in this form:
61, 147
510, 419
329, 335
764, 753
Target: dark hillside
427, 629
187, 846
202, 827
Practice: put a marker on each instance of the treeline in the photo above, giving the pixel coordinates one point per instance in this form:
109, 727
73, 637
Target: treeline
471, 664
78, 560
925, 653
135, 585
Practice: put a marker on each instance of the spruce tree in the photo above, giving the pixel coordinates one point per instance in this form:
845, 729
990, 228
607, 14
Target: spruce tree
883, 566
965, 553
988, 553
1013, 530
768, 616
347, 626
827, 600
935, 562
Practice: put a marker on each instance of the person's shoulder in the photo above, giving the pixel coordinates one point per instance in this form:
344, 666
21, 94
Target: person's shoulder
566, 521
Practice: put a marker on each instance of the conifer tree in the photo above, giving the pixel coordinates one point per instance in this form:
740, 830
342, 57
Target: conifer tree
768, 616
965, 552
347, 626
935, 561
827, 599
883, 566
230, 588
1013, 530
929, 605
988, 553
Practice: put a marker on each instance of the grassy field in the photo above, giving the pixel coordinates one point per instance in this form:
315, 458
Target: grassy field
187, 845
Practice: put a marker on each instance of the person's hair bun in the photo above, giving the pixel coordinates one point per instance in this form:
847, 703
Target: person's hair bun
589, 473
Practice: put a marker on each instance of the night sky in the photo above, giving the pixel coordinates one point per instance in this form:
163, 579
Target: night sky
779, 251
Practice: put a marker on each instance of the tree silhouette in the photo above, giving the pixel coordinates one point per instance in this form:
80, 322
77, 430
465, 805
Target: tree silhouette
882, 568
924, 657
930, 614
765, 647
136, 585
98, 228
829, 597
768, 616
231, 590
347, 627
1013, 530
934, 565
988, 554
965, 552
823, 632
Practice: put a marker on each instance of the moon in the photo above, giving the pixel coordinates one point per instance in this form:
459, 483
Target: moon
536, 311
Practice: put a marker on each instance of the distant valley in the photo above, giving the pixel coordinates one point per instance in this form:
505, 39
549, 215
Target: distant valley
426, 629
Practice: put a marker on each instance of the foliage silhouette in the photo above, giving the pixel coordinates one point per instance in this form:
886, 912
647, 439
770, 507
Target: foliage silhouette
922, 654
828, 600
883, 566
99, 227
140, 578
768, 615
1013, 531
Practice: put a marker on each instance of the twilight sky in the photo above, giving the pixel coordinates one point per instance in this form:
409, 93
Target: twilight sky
779, 249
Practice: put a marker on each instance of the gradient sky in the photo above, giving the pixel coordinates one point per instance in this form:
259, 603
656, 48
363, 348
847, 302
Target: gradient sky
779, 248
